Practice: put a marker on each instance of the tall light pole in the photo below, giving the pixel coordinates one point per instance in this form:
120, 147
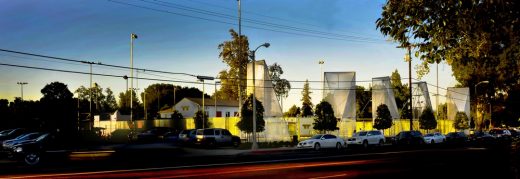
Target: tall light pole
90, 89
132, 37
21, 87
476, 100
252, 55
202, 78
215, 97
321, 62
408, 58
240, 55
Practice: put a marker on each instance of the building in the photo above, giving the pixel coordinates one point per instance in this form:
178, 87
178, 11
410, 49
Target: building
189, 106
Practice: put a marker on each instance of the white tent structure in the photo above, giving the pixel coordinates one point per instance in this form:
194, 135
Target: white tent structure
340, 92
264, 88
420, 98
458, 100
383, 93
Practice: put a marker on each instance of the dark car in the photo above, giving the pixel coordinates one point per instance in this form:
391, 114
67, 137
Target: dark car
458, 138
481, 139
154, 134
33, 151
187, 137
501, 134
8, 144
409, 138
11, 134
216, 137
172, 137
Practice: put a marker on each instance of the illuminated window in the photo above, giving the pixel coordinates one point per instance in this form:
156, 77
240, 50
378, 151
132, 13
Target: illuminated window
306, 126
185, 108
228, 114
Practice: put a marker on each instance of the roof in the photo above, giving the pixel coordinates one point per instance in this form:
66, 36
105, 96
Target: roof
167, 110
211, 102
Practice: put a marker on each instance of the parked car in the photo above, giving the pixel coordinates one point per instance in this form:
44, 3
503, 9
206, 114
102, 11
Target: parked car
320, 141
409, 138
216, 137
501, 134
172, 137
187, 137
481, 138
32, 152
456, 138
153, 134
11, 134
366, 138
434, 138
8, 144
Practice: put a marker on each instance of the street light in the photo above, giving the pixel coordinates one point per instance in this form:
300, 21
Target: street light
252, 55
408, 58
215, 96
21, 87
202, 78
321, 62
476, 99
132, 37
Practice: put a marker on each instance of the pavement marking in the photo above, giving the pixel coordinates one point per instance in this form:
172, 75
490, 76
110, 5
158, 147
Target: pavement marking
330, 176
212, 165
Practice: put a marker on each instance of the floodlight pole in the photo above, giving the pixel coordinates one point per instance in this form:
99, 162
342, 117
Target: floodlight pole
254, 146
202, 78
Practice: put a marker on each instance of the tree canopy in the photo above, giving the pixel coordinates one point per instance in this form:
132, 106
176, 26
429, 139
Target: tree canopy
201, 121
427, 120
306, 100
58, 109
461, 121
363, 101
383, 118
401, 93
234, 53
292, 112
246, 120
325, 119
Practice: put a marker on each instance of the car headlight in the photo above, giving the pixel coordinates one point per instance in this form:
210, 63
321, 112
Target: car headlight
18, 149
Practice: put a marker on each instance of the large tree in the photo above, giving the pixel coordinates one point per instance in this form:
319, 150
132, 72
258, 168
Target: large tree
402, 95
58, 109
479, 39
325, 120
363, 101
281, 86
427, 120
101, 103
124, 105
461, 121
383, 118
234, 53
306, 100
292, 112
246, 120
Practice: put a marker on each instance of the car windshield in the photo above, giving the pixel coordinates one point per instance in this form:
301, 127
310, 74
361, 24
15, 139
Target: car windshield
361, 134
428, 135
42, 137
316, 137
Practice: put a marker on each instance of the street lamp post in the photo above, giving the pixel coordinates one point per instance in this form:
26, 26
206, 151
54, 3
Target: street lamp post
321, 62
202, 78
215, 97
21, 87
132, 37
408, 58
476, 100
252, 55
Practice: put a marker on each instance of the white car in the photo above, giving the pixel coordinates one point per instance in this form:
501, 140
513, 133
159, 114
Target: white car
320, 141
434, 138
366, 138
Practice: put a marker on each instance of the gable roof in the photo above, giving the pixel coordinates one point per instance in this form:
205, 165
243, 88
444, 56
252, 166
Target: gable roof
211, 102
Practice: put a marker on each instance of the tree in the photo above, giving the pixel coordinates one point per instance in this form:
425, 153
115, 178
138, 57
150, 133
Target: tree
235, 54
478, 39
228, 86
427, 120
246, 120
292, 112
461, 121
124, 105
306, 100
201, 121
383, 118
325, 120
443, 111
101, 103
363, 100
110, 103
58, 109
178, 120
402, 95
281, 86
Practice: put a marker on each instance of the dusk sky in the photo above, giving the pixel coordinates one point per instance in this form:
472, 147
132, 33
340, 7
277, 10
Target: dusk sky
175, 41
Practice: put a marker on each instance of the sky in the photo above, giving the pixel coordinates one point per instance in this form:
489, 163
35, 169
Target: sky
183, 36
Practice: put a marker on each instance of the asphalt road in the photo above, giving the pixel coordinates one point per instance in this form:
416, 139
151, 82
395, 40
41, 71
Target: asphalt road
452, 162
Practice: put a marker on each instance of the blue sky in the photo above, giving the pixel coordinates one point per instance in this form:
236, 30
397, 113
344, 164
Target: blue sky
99, 31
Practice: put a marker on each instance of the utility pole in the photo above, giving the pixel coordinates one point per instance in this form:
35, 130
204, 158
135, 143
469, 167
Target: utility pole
21, 87
132, 37
202, 78
321, 62
239, 56
408, 58
215, 97
437, 96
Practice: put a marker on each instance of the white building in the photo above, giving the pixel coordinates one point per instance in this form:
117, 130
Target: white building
189, 106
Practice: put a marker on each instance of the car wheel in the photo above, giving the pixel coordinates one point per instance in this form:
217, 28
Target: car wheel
381, 143
365, 144
432, 142
338, 146
236, 144
32, 159
317, 146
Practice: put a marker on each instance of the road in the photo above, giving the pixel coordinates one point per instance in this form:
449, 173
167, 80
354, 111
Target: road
458, 162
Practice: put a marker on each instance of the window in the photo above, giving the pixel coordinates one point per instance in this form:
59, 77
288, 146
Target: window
226, 132
228, 114
217, 132
330, 137
235, 114
208, 132
219, 114
306, 126
185, 108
